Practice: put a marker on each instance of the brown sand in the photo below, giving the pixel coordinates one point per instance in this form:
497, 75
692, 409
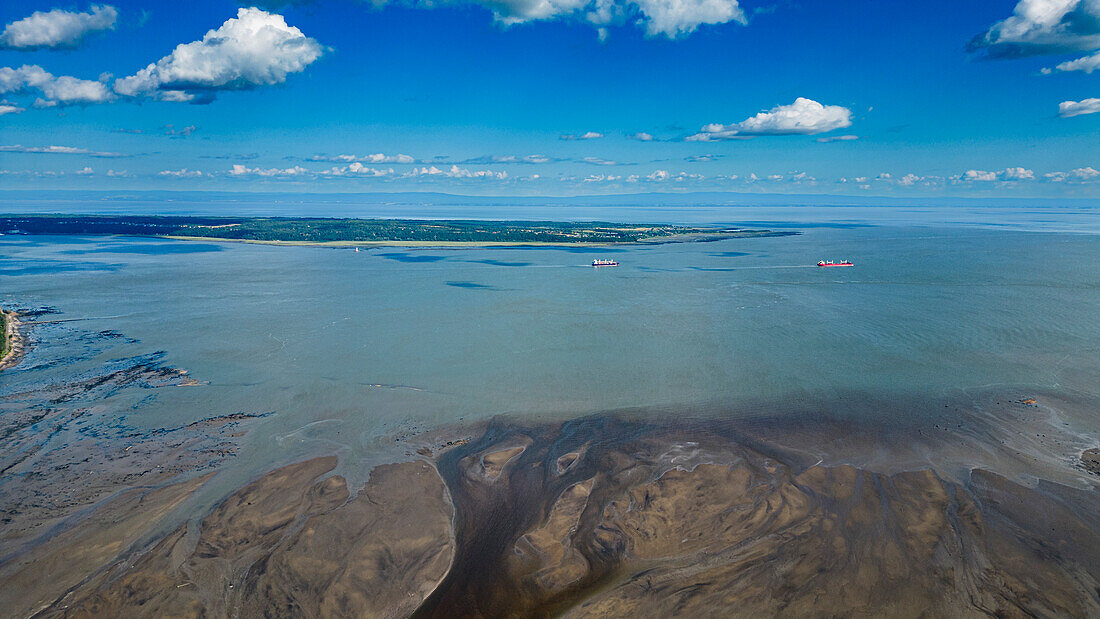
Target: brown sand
595, 517
39, 577
658, 523
1090, 460
290, 544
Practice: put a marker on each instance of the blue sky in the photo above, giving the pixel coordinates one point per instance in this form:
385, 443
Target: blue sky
550, 97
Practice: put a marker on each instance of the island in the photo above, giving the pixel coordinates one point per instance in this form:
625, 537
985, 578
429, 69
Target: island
351, 232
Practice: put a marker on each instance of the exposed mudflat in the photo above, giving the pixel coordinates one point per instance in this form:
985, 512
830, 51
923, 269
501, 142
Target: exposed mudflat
1090, 460
293, 543
597, 516
658, 522
57, 462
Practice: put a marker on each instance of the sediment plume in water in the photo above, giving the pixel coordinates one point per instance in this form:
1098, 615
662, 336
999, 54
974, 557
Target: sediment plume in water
607, 515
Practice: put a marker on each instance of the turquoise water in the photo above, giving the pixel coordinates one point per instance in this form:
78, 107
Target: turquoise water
348, 350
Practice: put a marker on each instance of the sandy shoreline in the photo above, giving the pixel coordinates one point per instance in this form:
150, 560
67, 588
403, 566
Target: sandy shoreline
594, 516
16, 338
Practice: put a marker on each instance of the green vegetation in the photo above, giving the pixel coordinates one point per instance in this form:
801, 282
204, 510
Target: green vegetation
376, 231
4, 343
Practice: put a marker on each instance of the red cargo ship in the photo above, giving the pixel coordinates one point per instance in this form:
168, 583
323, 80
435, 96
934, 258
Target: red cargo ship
830, 263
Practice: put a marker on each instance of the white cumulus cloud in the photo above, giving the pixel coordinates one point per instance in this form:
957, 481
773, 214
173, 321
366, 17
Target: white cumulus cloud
1068, 109
982, 176
181, 173
674, 18
455, 172
1079, 175
357, 170
256, 48
1043, 27
1017, 174
1088, 64
241, 170
803, 117
588, 135
670, 18
57, 28
664, 176
63, 90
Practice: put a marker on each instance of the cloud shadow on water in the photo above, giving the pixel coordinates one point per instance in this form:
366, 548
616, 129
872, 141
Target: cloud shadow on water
472, 286
405, 257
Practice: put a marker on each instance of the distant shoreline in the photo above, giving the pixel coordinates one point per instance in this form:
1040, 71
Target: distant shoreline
394, 243
686, 238
352, 232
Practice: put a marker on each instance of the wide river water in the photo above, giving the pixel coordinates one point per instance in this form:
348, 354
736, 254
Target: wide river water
349, 350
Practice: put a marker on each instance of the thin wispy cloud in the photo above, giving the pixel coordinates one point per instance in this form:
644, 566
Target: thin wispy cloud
182, 132
588, 135
375, 158
241, 157
597, 161
58, 150
702, 158
7, 107
521, 159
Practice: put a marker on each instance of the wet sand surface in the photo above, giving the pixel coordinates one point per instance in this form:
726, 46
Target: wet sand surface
602, 517
610, 514
56, 461
293, 543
